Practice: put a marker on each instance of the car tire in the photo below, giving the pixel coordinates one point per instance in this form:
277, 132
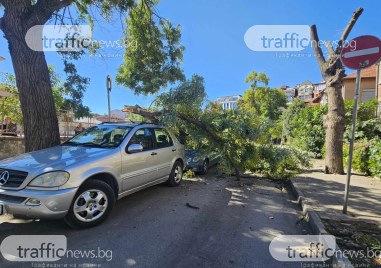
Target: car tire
205, 167
176, 175
91, 205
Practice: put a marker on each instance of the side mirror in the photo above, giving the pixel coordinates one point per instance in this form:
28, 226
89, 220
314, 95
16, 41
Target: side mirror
135, 148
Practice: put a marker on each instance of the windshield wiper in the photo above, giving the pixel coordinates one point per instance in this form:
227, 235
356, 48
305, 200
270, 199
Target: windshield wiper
73, 143
91, 144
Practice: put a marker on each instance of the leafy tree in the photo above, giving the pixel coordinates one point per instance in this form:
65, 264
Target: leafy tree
289, 115
307, 129
11, 105
30, 66
156, 62
254, 78
261, 100
65, 97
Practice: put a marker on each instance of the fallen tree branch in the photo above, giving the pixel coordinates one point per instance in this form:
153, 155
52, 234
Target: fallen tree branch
153, 117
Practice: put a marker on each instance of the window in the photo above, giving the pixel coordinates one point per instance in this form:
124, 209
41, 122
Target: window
163, 139
105, 136
144, 137
368, 94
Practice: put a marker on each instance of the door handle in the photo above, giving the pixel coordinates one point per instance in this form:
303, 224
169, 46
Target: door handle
173, 150
153, 153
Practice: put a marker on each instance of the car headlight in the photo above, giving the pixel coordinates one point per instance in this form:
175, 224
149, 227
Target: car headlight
50, 179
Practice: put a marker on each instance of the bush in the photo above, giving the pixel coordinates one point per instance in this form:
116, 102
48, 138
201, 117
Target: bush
360, 161
374, 161
303, 126
278, 162
368, 125
366, 157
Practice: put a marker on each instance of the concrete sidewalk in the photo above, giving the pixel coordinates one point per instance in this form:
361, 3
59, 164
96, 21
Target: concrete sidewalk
325, 195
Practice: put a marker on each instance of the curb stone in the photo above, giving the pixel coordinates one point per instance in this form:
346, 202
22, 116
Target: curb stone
338, 260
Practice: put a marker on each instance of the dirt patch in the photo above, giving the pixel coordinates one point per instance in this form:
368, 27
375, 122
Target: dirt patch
360, 241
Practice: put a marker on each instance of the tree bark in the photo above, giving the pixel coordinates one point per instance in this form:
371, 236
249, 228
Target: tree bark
32, 74
334, 126
332, 72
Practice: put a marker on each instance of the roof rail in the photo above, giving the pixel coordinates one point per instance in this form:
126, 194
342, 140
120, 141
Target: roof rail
115, 123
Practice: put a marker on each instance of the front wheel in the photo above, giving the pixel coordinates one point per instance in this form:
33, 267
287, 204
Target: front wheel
176, 174
91, 205
205, 167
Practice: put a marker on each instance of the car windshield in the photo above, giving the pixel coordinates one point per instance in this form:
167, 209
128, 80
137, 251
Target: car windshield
102, 136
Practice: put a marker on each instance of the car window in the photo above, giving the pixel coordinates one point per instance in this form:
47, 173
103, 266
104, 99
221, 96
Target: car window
144, 137
163, 139
106, 136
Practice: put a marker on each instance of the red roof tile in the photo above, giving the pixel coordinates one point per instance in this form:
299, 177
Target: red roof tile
368, 72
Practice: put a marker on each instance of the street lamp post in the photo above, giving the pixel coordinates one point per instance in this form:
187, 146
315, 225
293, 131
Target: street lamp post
108, 84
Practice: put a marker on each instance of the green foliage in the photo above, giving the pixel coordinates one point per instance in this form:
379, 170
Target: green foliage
12, 103
375, 157
296, 106
240, 135
303, 126
368, 125
156, 61
262, 101
360, 160
366, 157
253, 78
67, 94
278, 162
73, 89
189, 174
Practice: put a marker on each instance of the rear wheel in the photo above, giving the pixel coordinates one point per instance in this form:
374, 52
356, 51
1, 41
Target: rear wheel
91, 205
176, 174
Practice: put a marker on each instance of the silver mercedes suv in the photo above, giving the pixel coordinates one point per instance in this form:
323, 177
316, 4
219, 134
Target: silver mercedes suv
81, 179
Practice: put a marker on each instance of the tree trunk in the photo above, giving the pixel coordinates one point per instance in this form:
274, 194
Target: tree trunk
334, 125
332, 71
33, 83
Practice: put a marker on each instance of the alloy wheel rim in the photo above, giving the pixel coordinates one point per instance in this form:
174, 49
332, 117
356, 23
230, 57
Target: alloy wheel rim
90, 205
178, 173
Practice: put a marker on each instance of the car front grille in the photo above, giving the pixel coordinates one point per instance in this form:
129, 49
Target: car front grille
16, 178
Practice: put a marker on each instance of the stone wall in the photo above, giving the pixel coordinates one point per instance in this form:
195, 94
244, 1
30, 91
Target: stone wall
11, 146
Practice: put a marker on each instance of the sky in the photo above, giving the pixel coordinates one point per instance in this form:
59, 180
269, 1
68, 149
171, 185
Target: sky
213, 35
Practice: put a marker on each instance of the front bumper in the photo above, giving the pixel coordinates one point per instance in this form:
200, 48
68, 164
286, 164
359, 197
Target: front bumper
53, 204
196, 167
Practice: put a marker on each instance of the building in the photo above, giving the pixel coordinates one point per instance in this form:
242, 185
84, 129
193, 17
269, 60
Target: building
368, 84
118, 114
306, 91
229, 102
291, 93
320, 96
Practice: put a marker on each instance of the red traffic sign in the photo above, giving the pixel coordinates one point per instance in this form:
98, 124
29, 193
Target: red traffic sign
361, 52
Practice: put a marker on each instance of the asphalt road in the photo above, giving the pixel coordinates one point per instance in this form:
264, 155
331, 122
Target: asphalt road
232, 227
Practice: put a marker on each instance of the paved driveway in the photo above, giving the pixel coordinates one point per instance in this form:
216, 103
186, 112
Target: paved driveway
232, 227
